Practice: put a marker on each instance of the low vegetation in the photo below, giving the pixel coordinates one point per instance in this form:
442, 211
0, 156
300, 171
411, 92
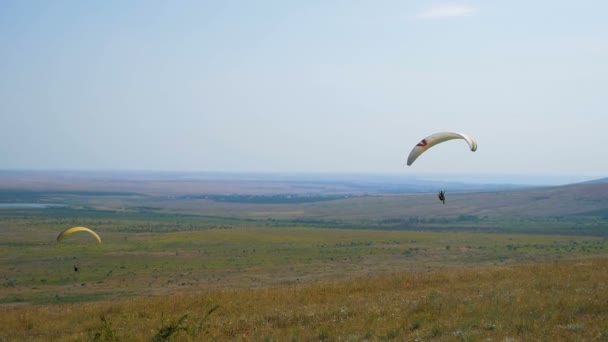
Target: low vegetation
563, 300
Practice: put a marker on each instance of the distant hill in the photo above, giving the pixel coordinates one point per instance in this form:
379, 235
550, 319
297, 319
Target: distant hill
386, 202
314, 195
596, 181
549, 201
555, 201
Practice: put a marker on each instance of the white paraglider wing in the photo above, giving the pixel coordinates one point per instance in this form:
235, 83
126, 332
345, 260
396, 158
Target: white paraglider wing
438, 138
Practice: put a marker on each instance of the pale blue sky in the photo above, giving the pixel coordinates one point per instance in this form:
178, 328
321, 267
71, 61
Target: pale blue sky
326, 86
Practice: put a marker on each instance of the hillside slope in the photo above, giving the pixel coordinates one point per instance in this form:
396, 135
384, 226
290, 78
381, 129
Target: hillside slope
539, 202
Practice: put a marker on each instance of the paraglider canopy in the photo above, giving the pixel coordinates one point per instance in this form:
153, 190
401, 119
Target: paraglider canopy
73, 230
438, 138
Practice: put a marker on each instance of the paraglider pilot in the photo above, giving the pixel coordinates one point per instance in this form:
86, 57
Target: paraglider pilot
441, 196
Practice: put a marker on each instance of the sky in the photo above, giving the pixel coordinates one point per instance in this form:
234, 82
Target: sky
304, 86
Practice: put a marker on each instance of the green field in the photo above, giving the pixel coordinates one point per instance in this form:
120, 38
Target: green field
317, 268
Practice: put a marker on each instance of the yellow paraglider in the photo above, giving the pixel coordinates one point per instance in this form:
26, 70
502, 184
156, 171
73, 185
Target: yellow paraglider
73, 230
438, 138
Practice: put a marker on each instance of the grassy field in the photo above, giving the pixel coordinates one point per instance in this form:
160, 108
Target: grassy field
272, 267
280, 283
36, 269
563, 300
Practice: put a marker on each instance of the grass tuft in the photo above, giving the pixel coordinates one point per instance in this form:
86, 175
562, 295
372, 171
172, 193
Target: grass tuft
105, 332
167, 331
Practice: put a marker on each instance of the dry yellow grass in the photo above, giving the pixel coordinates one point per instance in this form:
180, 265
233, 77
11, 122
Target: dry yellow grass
552, 301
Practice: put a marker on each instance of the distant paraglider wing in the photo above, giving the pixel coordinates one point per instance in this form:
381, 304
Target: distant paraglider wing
438, 138
73, 230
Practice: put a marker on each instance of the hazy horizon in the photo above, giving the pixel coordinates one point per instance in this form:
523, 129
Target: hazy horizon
326, 87
465, 178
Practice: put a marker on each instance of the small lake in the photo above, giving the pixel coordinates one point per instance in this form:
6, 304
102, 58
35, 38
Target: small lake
29, 205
